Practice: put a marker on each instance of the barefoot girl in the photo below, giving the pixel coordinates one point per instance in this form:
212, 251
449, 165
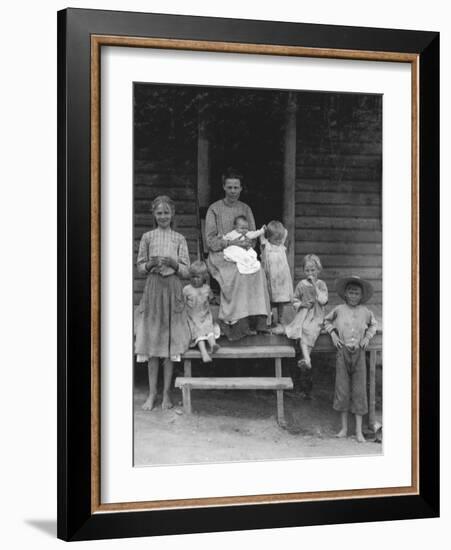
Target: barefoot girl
310, 297
200, 320
275, 264
161, 325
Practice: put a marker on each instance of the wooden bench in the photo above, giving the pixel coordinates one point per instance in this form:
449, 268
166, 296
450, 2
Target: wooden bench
271, 349
269, 346
232, 383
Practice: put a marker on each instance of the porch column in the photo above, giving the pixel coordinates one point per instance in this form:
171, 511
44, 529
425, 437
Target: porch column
289, 175
203, 171
203, 158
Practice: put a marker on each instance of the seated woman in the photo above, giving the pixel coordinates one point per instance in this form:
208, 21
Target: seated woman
244, 307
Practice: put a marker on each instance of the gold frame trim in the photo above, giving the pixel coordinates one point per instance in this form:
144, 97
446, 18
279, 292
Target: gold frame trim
97, 41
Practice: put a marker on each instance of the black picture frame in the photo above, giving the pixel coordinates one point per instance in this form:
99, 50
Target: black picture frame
76, 519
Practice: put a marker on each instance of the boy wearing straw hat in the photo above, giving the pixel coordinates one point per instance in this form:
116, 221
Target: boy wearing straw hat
351, 326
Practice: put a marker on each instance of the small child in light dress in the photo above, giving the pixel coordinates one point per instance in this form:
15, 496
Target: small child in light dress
275, 264
310, 297
200, 320
245, 259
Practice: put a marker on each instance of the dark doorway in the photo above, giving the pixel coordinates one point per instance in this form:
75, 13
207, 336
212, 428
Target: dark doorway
246, 133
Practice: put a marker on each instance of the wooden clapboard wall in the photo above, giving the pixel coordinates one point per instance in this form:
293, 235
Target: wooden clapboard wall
338, 187
165, 163
337, 177
151, 180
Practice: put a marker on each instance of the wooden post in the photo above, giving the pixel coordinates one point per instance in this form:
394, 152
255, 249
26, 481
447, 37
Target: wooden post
203, 159
289, 175
278, 362
279, 393
203, 169
372, 399
187, 368
186, 391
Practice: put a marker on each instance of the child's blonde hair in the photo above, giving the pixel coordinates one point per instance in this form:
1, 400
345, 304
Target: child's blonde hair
313, 258
199, 268
163, 200
275, 229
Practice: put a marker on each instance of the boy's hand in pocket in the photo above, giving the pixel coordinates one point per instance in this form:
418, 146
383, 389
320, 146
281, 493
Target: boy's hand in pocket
336, 340
364, 343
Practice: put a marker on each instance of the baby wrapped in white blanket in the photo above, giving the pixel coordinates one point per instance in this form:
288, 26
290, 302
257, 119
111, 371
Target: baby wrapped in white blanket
246, 260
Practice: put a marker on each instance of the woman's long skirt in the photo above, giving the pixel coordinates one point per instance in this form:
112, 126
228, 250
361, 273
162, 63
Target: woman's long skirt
244, 298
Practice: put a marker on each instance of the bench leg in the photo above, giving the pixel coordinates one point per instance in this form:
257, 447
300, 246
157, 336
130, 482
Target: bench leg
278, 361
279, 393
187, 368
186, 399
280, 409
372, 396
186, 392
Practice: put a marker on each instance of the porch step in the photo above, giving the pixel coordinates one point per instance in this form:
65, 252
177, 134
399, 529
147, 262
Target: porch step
238, 383
243, 352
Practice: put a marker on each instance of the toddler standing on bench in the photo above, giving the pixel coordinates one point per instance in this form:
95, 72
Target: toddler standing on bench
275, 264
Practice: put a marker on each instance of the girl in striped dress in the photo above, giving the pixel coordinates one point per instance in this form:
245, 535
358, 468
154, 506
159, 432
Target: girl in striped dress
161, 322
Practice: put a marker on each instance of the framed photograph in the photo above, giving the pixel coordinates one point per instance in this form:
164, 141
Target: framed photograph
248, 274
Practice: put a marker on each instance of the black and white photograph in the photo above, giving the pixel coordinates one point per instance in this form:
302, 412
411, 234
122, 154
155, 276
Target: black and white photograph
225, 274
257, 287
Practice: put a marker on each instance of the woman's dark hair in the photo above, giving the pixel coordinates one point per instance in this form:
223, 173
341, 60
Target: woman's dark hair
232, 173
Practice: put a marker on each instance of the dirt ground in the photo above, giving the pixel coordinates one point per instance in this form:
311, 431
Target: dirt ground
232, 426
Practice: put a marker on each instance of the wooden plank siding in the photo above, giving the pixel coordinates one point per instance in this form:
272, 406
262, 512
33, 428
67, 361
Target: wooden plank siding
338, 171
165, 161
339, 188
178, 182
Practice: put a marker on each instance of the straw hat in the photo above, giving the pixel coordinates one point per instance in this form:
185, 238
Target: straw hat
367, 288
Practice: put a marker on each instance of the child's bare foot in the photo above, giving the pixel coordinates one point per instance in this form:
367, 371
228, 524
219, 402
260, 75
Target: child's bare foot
303, 365
360, 437
149, 403
278, 329
215, 348
342, 433
167, 403
206, 358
